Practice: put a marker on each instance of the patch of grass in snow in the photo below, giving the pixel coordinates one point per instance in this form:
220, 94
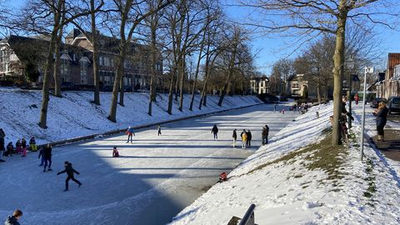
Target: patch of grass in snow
327, 158
371, 189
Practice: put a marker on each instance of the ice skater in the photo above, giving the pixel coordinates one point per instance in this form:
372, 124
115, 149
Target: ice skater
46, 154
70, 172
159, 130
214, 130
265, 133
32, 144
234, 137
243, 135
130, 132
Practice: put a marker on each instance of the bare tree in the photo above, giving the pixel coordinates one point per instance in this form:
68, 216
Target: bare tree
130, 14
313, 17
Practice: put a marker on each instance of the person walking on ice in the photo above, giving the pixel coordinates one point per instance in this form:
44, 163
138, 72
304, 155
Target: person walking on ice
234, 137
130, 132
214, 130
70, 172
243, 135
159, 130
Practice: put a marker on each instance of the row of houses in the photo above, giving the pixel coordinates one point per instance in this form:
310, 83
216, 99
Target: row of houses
387, 83
23, 59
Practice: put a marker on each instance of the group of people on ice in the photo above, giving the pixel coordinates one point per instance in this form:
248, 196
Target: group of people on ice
21, 146
245, 136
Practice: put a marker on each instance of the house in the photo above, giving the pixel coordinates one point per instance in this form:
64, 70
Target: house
390, 86
298, 86
259, 85
23, 60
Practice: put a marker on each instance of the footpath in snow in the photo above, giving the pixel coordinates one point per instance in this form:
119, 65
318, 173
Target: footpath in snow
297, 189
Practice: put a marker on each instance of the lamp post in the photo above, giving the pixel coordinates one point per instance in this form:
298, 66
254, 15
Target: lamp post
366, 70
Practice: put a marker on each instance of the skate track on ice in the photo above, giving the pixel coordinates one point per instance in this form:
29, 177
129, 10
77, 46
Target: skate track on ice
154, 179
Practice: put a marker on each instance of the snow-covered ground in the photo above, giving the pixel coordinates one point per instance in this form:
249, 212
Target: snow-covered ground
154, 179
287, 192
74, 116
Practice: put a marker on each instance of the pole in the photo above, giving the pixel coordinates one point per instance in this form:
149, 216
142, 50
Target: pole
350, 112
363, 113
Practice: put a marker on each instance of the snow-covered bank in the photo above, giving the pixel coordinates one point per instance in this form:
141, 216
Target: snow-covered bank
74, 115
288, 192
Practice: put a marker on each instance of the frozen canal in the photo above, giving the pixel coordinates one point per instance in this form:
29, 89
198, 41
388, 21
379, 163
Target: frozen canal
153, 180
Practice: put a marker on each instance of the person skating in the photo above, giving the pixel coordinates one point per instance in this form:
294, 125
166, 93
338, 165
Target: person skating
70, 172
265, 133
159, 130
115, 152
13, 220
130, 132
243, 135
249, 137
18, 146
234, 137
47, 153
214, 130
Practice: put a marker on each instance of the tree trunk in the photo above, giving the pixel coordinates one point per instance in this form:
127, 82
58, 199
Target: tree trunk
46, 80
228, 78
122, 86
57, 67
197, 69
117, 82
182, 79
338, 61
153, 63
96, 77
171, 92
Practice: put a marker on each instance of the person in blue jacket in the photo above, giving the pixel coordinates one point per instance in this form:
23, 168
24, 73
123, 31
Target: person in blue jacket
130, 132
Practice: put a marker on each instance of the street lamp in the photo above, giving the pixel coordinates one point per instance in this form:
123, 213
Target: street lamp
366, 71
350, 63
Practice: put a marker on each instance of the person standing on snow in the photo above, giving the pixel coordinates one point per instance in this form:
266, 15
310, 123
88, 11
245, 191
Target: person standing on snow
47, 153
214, 130
2, 148
130, 132
23, 147
70, 172
13, 220
234, 137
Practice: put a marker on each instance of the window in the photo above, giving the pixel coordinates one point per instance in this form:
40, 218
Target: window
84, 64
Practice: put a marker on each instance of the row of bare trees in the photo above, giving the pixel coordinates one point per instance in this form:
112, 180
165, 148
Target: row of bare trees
181, 33
308, 19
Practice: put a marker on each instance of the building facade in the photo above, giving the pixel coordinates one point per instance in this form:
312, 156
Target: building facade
23, 57
259, 85
390, 86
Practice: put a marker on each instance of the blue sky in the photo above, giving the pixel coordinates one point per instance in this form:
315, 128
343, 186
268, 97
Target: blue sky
272, 49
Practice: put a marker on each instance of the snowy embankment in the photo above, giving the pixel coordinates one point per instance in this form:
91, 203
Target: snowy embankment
75, 116
286, 191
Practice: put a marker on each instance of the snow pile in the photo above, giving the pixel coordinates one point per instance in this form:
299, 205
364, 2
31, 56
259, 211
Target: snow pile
286, 192
74, 115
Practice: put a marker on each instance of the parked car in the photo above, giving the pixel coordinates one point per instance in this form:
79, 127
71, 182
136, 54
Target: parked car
394, 104
375, 102
68, 86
